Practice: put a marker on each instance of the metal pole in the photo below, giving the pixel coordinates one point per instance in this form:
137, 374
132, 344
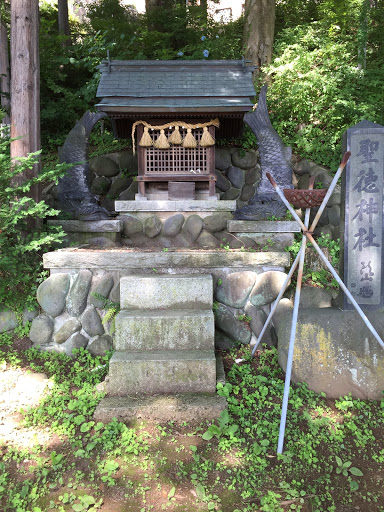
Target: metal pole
276, 303
345, 290
293, 335
329, 266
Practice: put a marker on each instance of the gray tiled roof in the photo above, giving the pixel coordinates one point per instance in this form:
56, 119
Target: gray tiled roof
175, 84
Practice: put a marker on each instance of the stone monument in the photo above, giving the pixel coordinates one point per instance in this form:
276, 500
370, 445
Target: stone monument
361, 237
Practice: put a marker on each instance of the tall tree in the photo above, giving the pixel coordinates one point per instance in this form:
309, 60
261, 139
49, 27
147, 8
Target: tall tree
25, 84
259, 30
64, 28
4, 72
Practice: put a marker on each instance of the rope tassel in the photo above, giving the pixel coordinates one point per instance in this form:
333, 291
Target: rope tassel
146, 140
189, 140
162, 141
175, 137
206, 138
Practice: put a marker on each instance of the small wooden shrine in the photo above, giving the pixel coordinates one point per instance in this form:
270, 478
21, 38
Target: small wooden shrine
173, 109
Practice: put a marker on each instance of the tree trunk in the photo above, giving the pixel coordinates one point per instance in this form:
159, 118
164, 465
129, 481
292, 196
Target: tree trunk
25, 84
64, 29
259, 30
4, 73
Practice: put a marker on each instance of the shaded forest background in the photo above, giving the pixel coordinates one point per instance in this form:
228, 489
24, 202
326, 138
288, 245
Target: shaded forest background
326, 71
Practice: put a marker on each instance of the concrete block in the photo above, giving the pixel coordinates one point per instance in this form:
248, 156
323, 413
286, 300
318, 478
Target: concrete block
178, 408
161, 372
192, 205
92, 226
263, 226
181, 330
166, 291
112, 259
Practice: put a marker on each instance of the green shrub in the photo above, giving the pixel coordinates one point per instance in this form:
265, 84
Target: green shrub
318, 90
20, 260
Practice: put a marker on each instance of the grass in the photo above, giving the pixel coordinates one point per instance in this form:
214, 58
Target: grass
333, 458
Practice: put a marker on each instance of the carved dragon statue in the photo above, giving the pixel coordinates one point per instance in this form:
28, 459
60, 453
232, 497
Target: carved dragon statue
75, 195
275, 158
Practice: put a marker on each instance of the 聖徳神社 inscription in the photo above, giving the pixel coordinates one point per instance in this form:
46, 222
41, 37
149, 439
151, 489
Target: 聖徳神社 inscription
363, 219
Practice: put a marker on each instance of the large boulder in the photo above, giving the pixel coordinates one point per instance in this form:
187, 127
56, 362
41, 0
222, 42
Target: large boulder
131, 225
217, 221
104, 166
267, 287
335, 353
222, 158
229, 321
244, 159
193, 226
91, 322
100, 345
8, 321
78, 294
41, 330
51, 294
102, 287
173, 225
235, 288
152, 226
69, 327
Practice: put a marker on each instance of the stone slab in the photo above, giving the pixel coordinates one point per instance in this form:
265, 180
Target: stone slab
161, 372
178, 408
335, 352
176, 206
250, 226
164, 330
94, 226
152, 292
124, 259
270, 241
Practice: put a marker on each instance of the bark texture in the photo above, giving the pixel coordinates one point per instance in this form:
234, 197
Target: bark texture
25, 83
4, 72
64, 28
259, 30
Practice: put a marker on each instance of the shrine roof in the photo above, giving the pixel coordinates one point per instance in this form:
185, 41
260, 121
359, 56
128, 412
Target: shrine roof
214, 86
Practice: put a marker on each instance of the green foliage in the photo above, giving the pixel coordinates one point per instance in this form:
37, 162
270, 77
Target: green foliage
317, 91
111, 310
20, 248
223, 428
321, 278
69, 75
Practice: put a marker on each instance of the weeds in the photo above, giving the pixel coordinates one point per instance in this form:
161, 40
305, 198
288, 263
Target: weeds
230, 465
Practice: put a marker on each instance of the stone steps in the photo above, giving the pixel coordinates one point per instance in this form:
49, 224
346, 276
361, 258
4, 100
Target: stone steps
162, 372
165, 330
164, 337
148, 292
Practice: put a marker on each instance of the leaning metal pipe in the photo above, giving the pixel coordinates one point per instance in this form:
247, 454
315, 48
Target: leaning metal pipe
329, 266
291, 348
281, 293
276, 303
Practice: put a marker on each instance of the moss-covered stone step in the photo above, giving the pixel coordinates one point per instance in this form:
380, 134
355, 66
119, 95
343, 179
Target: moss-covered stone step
165, 330
161, 372
150, 292
178, 408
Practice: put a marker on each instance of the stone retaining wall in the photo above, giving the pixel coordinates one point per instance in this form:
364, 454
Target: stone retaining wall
72, 315
238, 172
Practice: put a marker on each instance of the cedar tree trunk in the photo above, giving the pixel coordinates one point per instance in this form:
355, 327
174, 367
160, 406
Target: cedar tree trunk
64, 29
4, 72
259, 30
25, 84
